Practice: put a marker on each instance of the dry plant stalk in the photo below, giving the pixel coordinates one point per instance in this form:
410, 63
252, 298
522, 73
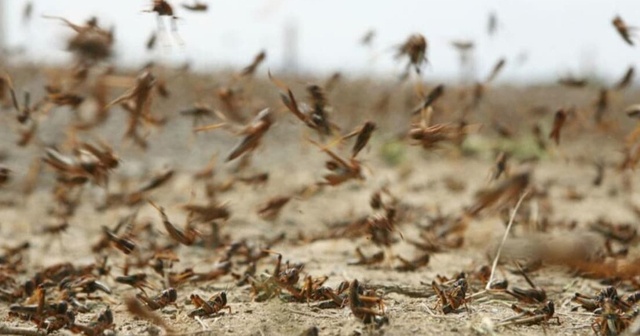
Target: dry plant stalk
504, 239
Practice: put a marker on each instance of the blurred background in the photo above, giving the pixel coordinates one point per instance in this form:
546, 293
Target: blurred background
541, 40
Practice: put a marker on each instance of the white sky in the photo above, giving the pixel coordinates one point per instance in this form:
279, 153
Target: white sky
559, 36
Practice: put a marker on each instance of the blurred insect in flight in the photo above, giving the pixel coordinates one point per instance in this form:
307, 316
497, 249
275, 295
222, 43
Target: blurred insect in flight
623, 29
558, 121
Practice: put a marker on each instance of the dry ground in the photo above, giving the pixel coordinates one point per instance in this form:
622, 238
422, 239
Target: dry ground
417, 179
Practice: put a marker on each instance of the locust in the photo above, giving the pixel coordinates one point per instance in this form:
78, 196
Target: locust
209, 307
187, 236
253, 134
623, 29
415, 49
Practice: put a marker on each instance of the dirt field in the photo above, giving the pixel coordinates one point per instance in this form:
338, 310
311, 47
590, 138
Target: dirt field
424, 184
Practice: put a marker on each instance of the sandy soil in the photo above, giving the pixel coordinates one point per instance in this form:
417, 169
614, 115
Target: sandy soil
418, 181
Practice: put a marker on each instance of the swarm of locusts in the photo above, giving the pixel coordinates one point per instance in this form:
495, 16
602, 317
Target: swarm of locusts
157, 261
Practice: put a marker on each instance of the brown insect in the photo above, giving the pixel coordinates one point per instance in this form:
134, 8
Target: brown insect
317, 117
382, 224
412, 265
230, 98
38, 297
151, 41
626, 80
257, 179
220, 269
432, 136
10, 252
271, 209
48, 316
500, 167
165, 298
597, 180
253, 134
336, 298
453, 297
137, 101
198, 112
163, 259
178, 278
610, 320
505, 191
163, 8
85, 284
558, 121
197, 6
341, 169
633, 111
287, 277
376, 258
528, 317
606, 296
282, 278
138, 195
587, 302
313, 288
377, 200
431, 98
156, 181
496, 70
574, 82
27, 132
207, 172
623, 232
90, 43
105, 241
5, 174
103, 322
209, 307
138, 309
415, 49
533, 295
601, 106
90, 161
539, 137
311, 331
363, 134
443, 233
56, 229
123, 244
138, 280
56, 96
623, 29
24, 111
633, 298
187, 236
161, 87
332, 81
367, 38
362, 305
257, 60
100, 96
208, 212
477, 94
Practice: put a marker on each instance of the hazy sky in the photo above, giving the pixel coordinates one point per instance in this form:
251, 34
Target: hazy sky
558, 36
